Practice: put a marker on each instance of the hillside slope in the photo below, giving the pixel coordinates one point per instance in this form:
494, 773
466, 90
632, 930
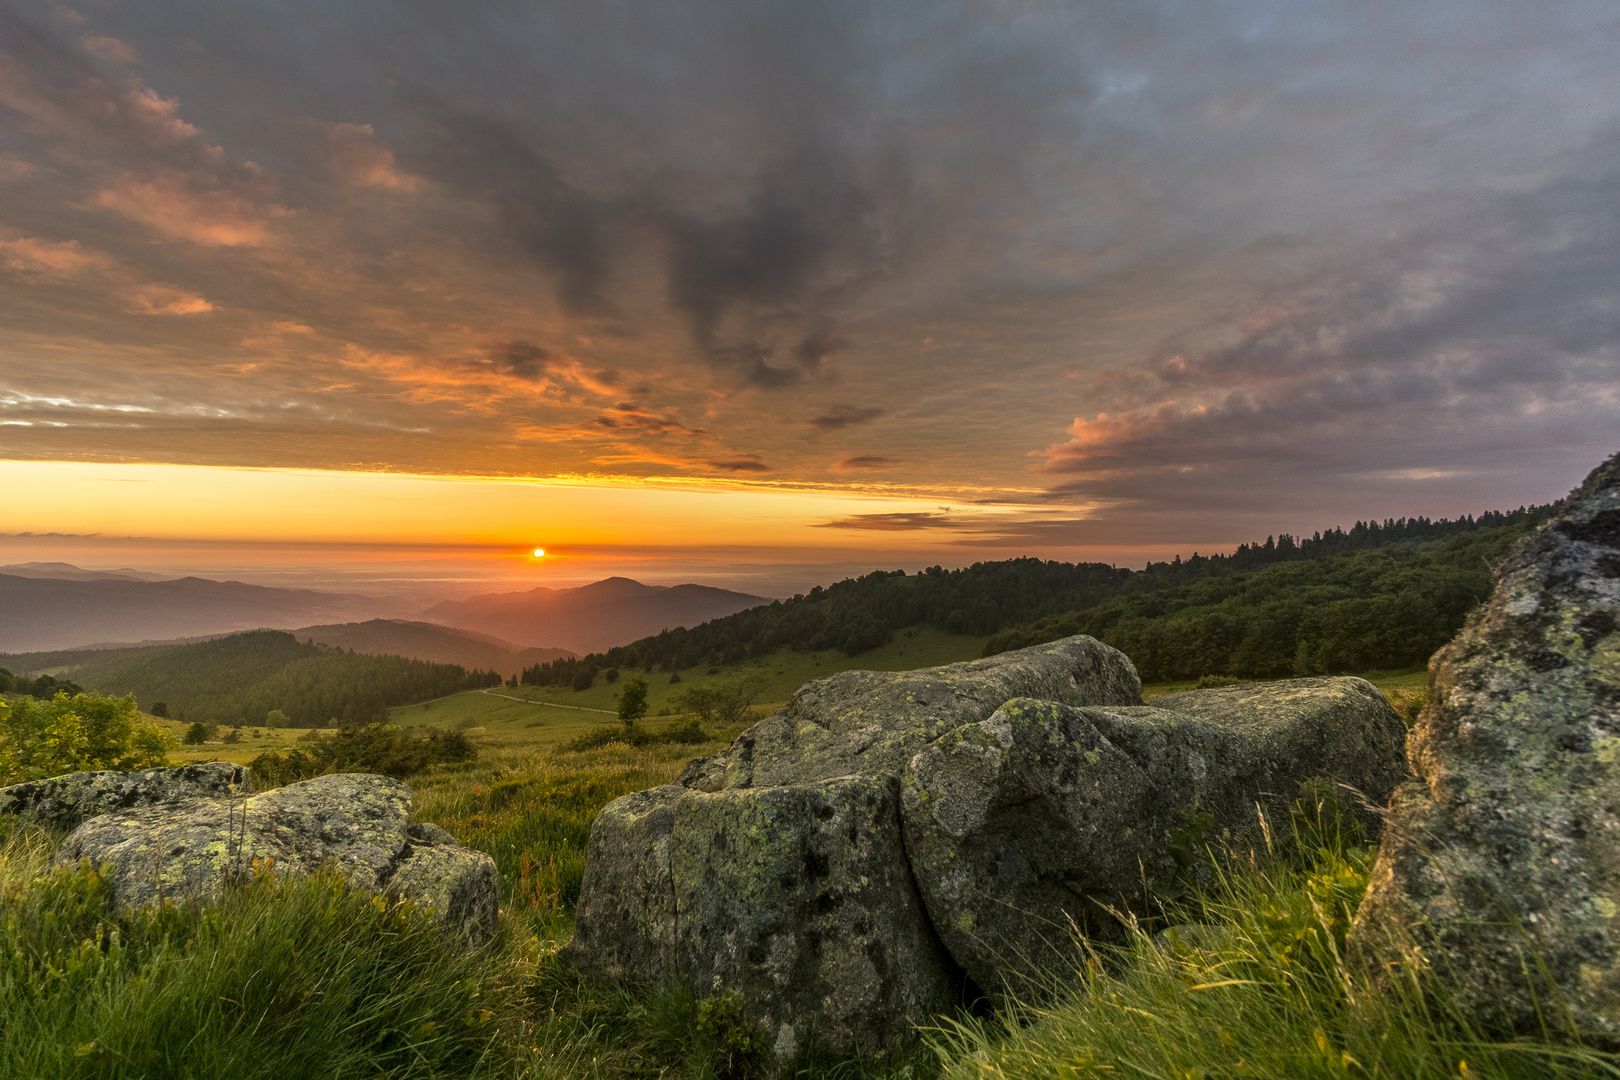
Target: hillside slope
240, 678
431, 642
56, 613
592, 617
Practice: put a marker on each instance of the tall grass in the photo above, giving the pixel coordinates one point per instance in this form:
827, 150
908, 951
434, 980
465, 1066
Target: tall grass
1251, 979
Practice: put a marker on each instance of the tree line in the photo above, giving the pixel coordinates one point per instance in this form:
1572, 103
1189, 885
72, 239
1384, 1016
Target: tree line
241, 678
859, 614
1385, 609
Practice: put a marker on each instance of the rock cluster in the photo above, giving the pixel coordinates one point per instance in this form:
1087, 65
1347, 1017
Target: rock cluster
1500, 863
184, 833
852, 866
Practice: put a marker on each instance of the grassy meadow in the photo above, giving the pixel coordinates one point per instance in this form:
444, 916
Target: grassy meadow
307, 978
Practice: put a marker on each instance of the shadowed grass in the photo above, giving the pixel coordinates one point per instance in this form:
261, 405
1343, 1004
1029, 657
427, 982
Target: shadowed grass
1250, 980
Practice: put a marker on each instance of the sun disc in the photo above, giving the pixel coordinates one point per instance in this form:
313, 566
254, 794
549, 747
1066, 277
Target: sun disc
539, 553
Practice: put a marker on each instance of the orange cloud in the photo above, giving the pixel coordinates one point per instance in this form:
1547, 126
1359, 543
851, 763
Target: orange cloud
50, 260
173, 205
110, 50
865, 462
166, 300
359, 160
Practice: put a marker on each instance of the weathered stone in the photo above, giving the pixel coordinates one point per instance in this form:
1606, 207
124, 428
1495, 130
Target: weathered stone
625, 924
870, 723
777, 869
1035, 824
1501, 862
65, 801
796, 897
355, 822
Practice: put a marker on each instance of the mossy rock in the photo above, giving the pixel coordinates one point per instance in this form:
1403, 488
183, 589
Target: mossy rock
1501, 863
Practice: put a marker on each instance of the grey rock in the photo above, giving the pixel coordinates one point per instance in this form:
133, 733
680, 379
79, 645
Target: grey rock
65, 801
1040, 822
870, 723
1503, 857
777, 870
796, 897
429, 833
354, 822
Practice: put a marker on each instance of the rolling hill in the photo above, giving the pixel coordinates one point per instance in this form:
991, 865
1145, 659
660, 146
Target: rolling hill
60, 613
429, 641
593, 617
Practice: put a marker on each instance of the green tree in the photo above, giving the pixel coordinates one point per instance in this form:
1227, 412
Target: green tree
275, 718
40, 739
199, 733
633, 700
160, 709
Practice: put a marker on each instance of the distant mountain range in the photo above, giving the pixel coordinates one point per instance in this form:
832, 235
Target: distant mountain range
58, 612
47, 607
430, 641
593, 617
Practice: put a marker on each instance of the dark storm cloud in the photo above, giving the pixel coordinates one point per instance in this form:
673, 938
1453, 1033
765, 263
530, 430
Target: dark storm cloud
843, 416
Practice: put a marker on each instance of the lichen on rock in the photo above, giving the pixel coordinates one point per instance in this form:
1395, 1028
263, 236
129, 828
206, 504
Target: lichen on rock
1046, 820
1500, 863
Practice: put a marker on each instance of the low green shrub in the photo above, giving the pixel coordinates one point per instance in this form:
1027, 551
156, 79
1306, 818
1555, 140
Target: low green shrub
377, 748
40, 739
685, 732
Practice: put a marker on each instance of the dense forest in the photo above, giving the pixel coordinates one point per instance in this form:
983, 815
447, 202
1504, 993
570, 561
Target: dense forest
240, 678
1427, 570
1385, 609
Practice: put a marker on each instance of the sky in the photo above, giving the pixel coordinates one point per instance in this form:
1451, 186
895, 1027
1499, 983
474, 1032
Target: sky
764, 292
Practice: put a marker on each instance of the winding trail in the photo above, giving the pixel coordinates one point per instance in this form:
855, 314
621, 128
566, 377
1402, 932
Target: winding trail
551, 704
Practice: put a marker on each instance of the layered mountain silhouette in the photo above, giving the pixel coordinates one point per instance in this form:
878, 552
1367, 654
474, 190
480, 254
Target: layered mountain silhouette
59, 612
594, 617
430, 641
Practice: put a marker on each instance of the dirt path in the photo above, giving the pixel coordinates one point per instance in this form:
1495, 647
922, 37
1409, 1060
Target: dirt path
551, 704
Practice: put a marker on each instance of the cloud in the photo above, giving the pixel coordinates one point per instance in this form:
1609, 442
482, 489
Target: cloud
843, 416
359, 160
865, 463
49, 260
166, 300
182, 208
110, 50
897, 522
627, 415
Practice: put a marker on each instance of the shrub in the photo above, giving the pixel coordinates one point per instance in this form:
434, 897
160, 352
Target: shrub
722, 703
376, 748
633, 699
199, 733
40, 739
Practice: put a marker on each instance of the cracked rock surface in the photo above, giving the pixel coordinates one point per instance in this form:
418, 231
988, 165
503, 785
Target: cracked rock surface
183, 834
1503, 856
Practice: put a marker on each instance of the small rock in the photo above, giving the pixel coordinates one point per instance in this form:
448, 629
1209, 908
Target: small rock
356, 822
65, 801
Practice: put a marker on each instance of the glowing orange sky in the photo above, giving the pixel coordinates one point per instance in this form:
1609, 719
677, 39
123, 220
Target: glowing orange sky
826, 284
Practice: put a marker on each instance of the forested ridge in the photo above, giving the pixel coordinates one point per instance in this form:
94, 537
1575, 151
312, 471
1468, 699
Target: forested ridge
240, 678
1421, 573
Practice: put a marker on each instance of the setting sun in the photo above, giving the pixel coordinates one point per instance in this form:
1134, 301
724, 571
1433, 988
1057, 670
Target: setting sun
539, 553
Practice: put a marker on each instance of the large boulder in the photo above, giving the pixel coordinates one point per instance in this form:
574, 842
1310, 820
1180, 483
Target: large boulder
777, 869
797, 897
1500, 864
357, 823
1045, 819
869, 723
65, 801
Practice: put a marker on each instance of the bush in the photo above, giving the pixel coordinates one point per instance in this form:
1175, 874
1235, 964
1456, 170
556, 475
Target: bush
722, 703
584, 679
40, 739
199, 733
375, 748
633, 699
